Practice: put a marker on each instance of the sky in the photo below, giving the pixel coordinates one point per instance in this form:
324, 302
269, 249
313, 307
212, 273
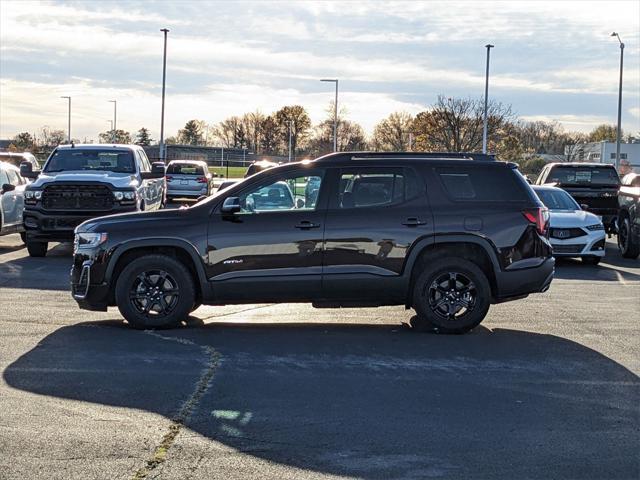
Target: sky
552, 60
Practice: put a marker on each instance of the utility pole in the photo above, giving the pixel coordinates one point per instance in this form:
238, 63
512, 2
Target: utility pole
486, 102
164, 79
619, 134
68, 120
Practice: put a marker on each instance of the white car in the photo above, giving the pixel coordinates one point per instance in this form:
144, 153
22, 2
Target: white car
573, 232
12, 187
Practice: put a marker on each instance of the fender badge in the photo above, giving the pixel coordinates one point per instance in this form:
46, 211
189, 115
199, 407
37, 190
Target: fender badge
227, 262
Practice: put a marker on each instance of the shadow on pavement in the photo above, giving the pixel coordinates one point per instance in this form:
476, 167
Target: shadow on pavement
48, 273
368, 401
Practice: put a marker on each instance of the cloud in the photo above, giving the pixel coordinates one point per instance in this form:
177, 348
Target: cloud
580, 123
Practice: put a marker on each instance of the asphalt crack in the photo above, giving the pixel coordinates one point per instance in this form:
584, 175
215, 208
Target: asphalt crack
159, 455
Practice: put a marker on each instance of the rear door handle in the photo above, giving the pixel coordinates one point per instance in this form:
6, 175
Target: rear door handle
305, 224
413, 222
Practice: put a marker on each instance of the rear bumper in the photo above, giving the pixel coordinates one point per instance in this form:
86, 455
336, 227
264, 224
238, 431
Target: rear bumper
521, 282
189, 193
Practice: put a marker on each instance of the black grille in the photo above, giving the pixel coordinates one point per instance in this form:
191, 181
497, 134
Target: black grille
565, 233
569, 248
77, 197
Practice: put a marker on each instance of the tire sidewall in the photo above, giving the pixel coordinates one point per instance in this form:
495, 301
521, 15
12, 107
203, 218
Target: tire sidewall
468, 320
175, 269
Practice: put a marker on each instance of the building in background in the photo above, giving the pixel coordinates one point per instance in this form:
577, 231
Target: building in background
605, 152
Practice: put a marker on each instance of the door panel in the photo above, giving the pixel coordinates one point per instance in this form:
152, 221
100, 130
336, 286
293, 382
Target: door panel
367, 245
272, 249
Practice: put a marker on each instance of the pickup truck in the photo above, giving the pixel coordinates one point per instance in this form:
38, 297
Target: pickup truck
594, 186
80, 182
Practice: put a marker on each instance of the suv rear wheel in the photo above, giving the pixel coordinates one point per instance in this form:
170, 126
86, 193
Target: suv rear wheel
451, 295
37, 249
155, 291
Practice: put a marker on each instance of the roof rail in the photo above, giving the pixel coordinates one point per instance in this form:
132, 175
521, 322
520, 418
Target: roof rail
406, 156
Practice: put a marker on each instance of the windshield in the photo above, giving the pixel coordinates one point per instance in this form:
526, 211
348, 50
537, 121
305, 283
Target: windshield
119, 161
557, 199
584, 176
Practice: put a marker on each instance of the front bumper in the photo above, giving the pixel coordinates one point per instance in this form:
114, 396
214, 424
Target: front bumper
88, 295
56, 226
591, 245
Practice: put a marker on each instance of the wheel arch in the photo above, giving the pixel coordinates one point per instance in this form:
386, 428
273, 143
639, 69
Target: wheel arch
470, 247
181, 250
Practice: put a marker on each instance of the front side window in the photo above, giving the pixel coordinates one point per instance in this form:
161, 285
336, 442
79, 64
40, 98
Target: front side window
369, 187
4, 179
287, 193
14, 178
119, 161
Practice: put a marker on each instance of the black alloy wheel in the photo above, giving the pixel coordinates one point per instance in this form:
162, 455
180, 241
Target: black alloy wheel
628, 245
450, 295
155, 291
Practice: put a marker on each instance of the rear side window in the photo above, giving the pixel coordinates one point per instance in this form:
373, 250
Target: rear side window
368, 187
185, 169
481, 184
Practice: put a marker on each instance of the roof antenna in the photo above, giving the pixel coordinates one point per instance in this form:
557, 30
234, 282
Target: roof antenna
73, 145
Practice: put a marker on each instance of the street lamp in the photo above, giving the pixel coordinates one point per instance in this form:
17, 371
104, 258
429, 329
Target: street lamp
335, 114
486, 102
164, 78
115, 111
69, 119
290, 124
619, 134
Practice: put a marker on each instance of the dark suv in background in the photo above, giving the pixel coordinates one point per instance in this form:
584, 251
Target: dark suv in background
445, 234
594, 186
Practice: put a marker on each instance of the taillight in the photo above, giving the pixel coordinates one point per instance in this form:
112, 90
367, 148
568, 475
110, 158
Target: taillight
539, 217
168, 177
202, 179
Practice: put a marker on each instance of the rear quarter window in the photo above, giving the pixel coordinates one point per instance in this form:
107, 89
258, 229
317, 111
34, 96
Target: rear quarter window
482, 184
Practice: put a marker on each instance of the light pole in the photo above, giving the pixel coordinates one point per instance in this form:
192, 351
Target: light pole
290, 122
115, 112
68, 119
486, 102
335, 114
164, 79
619, 134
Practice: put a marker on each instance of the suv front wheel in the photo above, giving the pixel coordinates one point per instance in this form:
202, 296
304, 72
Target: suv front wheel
155, 291
451, 295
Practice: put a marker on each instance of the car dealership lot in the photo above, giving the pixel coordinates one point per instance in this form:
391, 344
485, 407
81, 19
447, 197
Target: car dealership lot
546, 388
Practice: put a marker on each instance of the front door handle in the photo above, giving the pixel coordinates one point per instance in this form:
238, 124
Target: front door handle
305, 224
413, 222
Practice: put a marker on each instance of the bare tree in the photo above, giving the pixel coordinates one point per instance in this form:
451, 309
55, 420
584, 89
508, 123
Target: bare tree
270, 140
296, 118
252, 123
455, 125
392, 133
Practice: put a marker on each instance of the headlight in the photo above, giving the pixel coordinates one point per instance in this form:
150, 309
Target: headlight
37, 194
126, 195
595, 227
28, 194
89, 240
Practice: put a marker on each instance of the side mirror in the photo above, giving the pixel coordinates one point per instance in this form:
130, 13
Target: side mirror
299, 203
7, 187
584, 206
26, 171
158, 170
231, 205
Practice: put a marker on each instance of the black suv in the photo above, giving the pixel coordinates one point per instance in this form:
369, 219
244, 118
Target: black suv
629, 216
446, 234
594, 186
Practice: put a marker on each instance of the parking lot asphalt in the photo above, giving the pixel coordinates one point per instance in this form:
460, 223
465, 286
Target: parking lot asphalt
547, 387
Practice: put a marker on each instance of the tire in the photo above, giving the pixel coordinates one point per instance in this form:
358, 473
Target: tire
37, 249
23, 237
437, 310
628, 244
139, 296
591, 260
